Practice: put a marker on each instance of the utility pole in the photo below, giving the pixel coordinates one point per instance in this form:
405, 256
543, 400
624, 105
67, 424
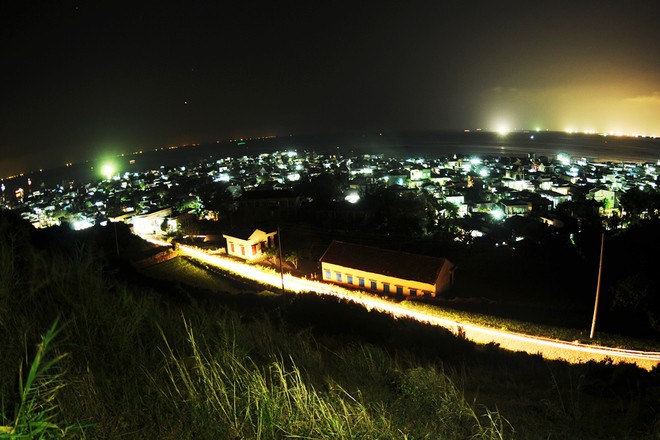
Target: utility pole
279, 246
600, 273
116, 239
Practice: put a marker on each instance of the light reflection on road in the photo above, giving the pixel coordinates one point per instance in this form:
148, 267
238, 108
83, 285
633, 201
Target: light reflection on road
548, 348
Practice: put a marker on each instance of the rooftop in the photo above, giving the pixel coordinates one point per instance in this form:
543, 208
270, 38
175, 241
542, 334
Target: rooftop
397, 264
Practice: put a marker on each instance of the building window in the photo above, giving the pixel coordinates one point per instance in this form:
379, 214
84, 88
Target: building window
349, 279
254, 249
413, 292
231, 246
399, 290
426, 293
386, 287
374, 285
327, 275
361, 282
242, 250
338, 276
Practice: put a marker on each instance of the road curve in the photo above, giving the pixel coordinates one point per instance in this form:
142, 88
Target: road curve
573, 352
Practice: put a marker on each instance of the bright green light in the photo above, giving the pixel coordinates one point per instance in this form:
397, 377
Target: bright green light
108, 170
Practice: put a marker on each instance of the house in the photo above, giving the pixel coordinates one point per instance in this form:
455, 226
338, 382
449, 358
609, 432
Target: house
514, 207
555, 197
248, 243
609, 198
385, 271
152, 223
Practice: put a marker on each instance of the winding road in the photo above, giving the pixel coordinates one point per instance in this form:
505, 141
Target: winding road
573, 352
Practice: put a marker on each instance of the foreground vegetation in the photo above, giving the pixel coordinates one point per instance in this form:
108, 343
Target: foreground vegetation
88, 351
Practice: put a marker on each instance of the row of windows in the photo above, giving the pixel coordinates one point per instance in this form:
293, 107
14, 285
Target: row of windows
254, 248
373, 284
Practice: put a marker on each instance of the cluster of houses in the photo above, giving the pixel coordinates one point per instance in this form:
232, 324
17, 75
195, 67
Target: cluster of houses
263, 184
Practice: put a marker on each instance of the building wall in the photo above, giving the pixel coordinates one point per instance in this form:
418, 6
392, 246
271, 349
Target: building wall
445, 278
243, 248
329, 273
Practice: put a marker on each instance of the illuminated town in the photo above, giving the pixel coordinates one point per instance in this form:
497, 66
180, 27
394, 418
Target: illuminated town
471, 191
330, 220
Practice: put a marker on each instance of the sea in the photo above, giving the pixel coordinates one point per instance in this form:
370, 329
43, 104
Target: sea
593, 147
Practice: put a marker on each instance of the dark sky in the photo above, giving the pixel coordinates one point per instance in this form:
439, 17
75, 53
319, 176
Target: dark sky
83, 79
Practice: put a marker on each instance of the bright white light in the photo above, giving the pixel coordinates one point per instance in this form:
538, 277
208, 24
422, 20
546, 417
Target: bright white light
291, 153
367, 171
293, 177
483, 172
475, 161
82, 224
497, 214
352, 198
503, 130
564, 159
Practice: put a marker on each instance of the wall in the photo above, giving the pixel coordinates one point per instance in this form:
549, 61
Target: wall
249, 254
380, 279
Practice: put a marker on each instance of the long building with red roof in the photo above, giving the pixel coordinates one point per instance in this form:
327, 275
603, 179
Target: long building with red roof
385, 271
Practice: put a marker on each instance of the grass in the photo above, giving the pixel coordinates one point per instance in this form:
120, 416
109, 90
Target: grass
232, 396
441, 310
164, 364
532, 328
36, 414
182, 270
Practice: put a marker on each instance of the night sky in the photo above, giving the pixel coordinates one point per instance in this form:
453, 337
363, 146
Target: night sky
84, 79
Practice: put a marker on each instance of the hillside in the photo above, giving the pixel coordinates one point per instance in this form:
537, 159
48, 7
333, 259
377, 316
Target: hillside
134, 357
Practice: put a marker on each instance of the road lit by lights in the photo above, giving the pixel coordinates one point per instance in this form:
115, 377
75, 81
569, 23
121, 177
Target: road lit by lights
574, 352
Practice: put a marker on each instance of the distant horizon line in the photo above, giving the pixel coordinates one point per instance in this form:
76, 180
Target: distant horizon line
501, 132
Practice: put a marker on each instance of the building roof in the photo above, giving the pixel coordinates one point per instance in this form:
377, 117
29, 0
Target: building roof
246, 233
396, 264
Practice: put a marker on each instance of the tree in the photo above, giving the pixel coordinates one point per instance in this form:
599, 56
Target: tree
635, 202
293, 257
636, 296
271, 254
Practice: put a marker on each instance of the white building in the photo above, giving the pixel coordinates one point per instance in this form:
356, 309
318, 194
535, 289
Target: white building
249, 245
